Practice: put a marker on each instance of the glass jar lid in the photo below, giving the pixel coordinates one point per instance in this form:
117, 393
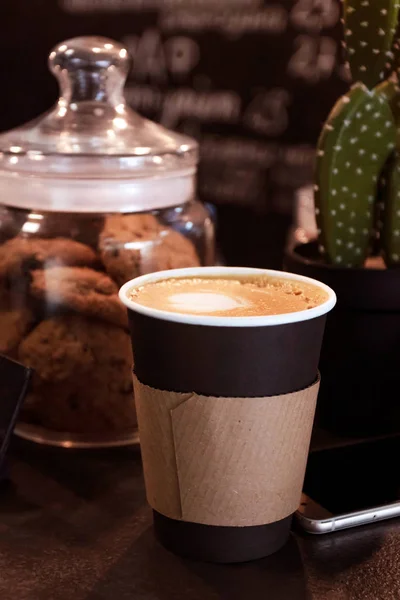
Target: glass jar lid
91, 152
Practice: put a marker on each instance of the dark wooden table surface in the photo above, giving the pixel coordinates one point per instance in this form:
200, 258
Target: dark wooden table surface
75, 526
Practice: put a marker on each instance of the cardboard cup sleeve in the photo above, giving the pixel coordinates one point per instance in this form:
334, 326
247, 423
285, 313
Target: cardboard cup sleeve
224, 461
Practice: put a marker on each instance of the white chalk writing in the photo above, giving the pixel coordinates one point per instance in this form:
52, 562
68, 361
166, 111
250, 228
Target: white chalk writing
155, 60
314, 58
271, 19
116, 6
315, 15
216, 106
267, 112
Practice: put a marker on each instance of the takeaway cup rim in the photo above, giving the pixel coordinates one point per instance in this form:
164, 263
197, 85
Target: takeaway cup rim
218, 321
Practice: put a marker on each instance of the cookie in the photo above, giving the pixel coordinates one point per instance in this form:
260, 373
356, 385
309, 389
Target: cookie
14, 324
57, 349
66, 346
93, 396
11, 222
19, 255
84, 228
4, 298
81, 290
102, 403
131, 245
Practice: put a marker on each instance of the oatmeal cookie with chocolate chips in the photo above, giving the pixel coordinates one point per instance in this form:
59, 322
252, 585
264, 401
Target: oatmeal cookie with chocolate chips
65, 346
88, 388
102, 403
81, 290
4, 298
131, 245
84, 228
57, 348
14, 324
19, 255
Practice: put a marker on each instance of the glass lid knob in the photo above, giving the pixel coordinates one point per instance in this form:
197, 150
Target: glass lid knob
90, 69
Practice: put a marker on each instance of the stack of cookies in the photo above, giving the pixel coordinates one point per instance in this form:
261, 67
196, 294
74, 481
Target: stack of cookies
60, 314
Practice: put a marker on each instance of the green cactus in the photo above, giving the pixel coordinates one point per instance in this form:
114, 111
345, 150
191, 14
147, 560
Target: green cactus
380, 206
390, 230
396, 50
391, 91
354, 145
370, 27
358, 172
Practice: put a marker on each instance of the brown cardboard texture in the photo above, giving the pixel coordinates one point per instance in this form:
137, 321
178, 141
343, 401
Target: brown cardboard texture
224, 461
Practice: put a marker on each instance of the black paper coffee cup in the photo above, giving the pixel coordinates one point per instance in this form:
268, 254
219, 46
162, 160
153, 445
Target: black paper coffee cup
244, 361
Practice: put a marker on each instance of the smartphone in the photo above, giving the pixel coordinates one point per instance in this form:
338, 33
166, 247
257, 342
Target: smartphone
14, 381
351, 485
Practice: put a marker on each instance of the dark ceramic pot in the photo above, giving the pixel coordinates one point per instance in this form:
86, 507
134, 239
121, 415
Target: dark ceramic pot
360, 358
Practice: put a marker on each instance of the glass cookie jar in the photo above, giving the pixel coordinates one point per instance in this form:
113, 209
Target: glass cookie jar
91, 195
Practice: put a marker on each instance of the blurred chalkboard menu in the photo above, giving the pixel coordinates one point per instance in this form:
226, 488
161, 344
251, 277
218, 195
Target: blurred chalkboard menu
252, 80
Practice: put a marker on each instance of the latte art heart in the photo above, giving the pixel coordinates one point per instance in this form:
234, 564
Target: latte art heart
203, 302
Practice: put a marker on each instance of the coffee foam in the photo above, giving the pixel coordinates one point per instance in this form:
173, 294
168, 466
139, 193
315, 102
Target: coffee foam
229, 297
202, 302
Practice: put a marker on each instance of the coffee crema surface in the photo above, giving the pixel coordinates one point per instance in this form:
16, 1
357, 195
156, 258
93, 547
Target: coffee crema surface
229, 296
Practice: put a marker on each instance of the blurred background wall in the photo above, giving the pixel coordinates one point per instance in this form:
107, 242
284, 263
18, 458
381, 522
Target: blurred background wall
252, 80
